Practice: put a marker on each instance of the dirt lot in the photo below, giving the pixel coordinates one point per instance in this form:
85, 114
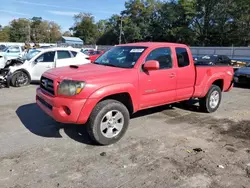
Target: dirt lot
157, 151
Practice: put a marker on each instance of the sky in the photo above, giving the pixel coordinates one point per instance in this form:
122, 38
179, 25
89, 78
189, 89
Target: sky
60, 11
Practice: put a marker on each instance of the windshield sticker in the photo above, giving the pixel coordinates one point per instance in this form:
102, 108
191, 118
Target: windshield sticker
136, 50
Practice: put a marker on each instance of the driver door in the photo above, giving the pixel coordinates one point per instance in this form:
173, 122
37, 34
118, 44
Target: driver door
158, 87
42, 63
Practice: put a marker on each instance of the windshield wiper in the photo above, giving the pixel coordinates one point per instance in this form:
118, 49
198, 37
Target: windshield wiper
97, 63
111, 65
106, 64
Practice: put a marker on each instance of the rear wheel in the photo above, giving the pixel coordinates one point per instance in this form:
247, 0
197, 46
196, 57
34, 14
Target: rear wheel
211, 102
20, 79
108, 122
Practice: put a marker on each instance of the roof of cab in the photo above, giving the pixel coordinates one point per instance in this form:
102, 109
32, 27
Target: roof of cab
154, 44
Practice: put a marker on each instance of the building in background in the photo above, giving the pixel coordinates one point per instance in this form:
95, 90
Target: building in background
70, 41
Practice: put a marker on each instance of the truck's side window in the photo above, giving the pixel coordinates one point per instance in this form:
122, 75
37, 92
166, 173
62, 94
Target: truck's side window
163, 56
182, 57
63, 54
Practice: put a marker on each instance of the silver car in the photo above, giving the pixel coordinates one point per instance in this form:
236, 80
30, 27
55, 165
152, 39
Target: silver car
242, 75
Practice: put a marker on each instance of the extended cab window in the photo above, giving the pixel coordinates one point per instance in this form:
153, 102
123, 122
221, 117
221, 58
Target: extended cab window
182, 57
63, 54
163, 56
46, 57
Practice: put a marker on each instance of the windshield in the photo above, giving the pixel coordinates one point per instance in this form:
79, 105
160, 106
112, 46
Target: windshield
121, 56
207, 57
31, 54
5, 49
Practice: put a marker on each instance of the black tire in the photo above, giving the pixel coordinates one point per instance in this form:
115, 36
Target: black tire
205, 105
97, 116
16, 75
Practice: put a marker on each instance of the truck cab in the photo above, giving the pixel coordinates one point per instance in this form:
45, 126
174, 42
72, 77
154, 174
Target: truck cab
126, 79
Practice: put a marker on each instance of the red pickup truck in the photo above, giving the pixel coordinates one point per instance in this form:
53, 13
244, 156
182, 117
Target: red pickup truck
128, 78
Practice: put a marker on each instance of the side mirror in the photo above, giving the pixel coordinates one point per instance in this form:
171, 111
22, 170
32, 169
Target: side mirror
35, 61
151, 65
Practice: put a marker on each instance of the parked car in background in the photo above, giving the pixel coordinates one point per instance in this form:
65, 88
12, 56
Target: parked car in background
38, 61
12, 52
242, 75
87, 50
126, 79
2, 47
95, 54
213, 60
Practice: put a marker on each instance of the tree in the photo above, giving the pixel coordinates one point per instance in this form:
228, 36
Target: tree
67, 34
85, 28
54, 32
4, 34
19, 30
138, 17
38, 29
111, 34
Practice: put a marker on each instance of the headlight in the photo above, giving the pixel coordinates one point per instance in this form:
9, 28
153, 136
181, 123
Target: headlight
70, 87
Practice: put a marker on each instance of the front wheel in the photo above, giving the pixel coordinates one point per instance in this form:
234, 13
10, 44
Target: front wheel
211, 102
20, 79
108, 122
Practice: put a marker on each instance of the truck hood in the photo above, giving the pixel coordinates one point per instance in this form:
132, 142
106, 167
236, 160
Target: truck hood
243, 70
86, 72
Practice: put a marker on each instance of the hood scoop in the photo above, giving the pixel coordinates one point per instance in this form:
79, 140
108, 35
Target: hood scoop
74, 66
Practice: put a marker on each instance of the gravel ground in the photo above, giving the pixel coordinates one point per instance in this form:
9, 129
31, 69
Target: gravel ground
170, 146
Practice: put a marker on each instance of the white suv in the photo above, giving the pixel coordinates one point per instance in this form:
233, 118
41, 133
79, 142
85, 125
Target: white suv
40, 60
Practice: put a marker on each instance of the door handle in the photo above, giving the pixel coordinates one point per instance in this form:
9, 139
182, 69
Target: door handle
172, 75
48, 66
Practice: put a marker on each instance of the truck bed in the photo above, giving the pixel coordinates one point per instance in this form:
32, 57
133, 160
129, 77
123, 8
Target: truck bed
207, 75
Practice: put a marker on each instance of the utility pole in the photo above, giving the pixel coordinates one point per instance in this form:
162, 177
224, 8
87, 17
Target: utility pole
120, 37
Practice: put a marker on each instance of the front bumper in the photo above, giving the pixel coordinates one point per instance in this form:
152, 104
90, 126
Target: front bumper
64, 110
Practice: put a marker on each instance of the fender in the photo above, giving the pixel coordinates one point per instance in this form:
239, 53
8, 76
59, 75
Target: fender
211, 80
24, 70
116, 89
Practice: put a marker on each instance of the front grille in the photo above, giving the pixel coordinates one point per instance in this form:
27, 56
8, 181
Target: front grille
44, 103
47, 85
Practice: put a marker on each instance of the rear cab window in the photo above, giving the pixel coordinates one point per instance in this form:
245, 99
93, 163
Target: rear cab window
182, 57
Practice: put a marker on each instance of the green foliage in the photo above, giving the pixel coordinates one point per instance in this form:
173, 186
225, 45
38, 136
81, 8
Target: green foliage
18, 30
85, 28
4, 33
31, 30
193, 22
67, 34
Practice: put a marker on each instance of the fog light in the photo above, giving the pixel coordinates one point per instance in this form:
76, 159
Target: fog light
67, 110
